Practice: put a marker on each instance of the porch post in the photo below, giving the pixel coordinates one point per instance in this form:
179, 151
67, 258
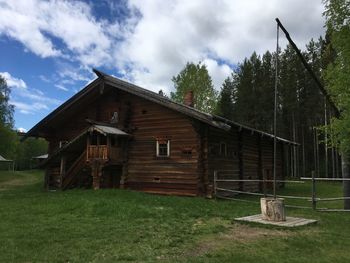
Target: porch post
62, 170
96, 174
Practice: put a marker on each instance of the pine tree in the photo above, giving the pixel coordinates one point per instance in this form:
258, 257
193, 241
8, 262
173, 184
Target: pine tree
225, 105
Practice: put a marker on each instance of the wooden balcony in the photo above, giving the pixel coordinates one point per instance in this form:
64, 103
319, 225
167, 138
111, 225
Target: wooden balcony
99, 152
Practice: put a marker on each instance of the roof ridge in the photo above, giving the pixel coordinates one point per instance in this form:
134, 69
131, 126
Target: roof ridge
213, 117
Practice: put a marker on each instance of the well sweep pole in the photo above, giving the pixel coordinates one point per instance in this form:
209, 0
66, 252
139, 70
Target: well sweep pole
275, 118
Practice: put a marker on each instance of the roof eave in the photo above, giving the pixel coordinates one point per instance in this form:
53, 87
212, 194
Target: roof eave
35, 130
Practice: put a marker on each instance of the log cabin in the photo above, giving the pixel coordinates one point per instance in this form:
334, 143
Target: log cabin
113, 134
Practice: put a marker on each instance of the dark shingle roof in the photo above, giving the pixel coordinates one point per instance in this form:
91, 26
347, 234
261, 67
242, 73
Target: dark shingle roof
210, 119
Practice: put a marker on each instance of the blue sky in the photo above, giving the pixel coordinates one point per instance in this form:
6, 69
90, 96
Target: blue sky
48, 48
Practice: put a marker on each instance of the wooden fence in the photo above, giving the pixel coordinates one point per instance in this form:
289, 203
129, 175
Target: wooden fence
313, 199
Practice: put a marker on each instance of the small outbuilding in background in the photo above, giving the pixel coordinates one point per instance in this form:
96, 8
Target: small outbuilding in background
9, 164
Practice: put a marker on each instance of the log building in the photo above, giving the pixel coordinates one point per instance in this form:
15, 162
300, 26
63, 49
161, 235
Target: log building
113, 134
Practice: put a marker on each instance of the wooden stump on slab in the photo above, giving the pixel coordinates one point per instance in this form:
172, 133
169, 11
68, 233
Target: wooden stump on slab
272, 209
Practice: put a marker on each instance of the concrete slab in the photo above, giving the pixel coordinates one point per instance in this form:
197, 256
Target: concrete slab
290, 221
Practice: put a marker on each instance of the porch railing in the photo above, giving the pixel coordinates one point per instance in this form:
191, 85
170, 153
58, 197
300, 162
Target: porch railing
97, 152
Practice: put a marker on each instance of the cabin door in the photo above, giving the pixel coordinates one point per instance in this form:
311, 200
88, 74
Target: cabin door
111, 177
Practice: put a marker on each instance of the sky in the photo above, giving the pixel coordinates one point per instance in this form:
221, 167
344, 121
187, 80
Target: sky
48, 48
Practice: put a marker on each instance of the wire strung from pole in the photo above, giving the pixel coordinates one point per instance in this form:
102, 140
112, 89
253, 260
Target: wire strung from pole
275, 117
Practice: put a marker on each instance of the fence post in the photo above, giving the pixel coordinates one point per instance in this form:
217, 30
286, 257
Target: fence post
313, 195
215, 178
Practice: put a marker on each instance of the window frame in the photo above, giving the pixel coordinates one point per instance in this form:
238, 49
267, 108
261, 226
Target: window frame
157, 148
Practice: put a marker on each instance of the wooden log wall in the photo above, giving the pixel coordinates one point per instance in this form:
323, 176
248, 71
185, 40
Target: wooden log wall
250, 155
227, 162
194, 148
177, 174
99, 109
253, 159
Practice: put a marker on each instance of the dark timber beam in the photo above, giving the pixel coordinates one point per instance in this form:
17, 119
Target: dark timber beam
240, 159
260, 166
309, 69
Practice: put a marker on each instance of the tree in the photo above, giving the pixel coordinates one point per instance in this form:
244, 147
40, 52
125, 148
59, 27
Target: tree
6, 110
337, 78
8, 138
243, 106
28, 149
8, 141
195, 77
337, 74
225, 105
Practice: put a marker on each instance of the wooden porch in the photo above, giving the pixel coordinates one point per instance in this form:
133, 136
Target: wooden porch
91, 158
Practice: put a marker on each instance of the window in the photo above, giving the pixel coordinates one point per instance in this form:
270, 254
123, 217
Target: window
93, 140
187, 152
114, 118
103, 140
163, 148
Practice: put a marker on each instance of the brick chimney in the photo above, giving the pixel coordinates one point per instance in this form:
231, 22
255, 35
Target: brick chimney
188, 99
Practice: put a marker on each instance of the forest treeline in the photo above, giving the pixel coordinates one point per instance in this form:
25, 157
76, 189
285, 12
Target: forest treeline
247, 97
303, 114
11, 146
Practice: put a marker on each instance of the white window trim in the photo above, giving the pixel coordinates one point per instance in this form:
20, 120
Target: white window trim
168, 149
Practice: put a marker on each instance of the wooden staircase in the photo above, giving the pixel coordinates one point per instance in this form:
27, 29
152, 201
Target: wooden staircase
73, 171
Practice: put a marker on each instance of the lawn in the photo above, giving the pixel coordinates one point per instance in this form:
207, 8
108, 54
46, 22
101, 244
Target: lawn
126, 226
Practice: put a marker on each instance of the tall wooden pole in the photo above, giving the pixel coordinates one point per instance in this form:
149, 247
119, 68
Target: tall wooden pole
345, 159
309, 69
315, 150
337, 164
346, 184
275, 118
294, 148
303, 149
325, 139
317, 153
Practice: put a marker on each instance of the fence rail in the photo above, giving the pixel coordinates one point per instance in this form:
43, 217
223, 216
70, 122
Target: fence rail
267, 181
324, 179
312, 198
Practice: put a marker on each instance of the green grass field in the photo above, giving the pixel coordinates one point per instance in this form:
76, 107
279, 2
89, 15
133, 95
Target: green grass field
126, 226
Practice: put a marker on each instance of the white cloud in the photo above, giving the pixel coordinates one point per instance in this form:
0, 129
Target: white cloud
158, 37
28, 100
170, 33
20, 129
29, 108
72, 22
12, 81
61, 87
36, 95
44, 78
218, 72
26, 29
